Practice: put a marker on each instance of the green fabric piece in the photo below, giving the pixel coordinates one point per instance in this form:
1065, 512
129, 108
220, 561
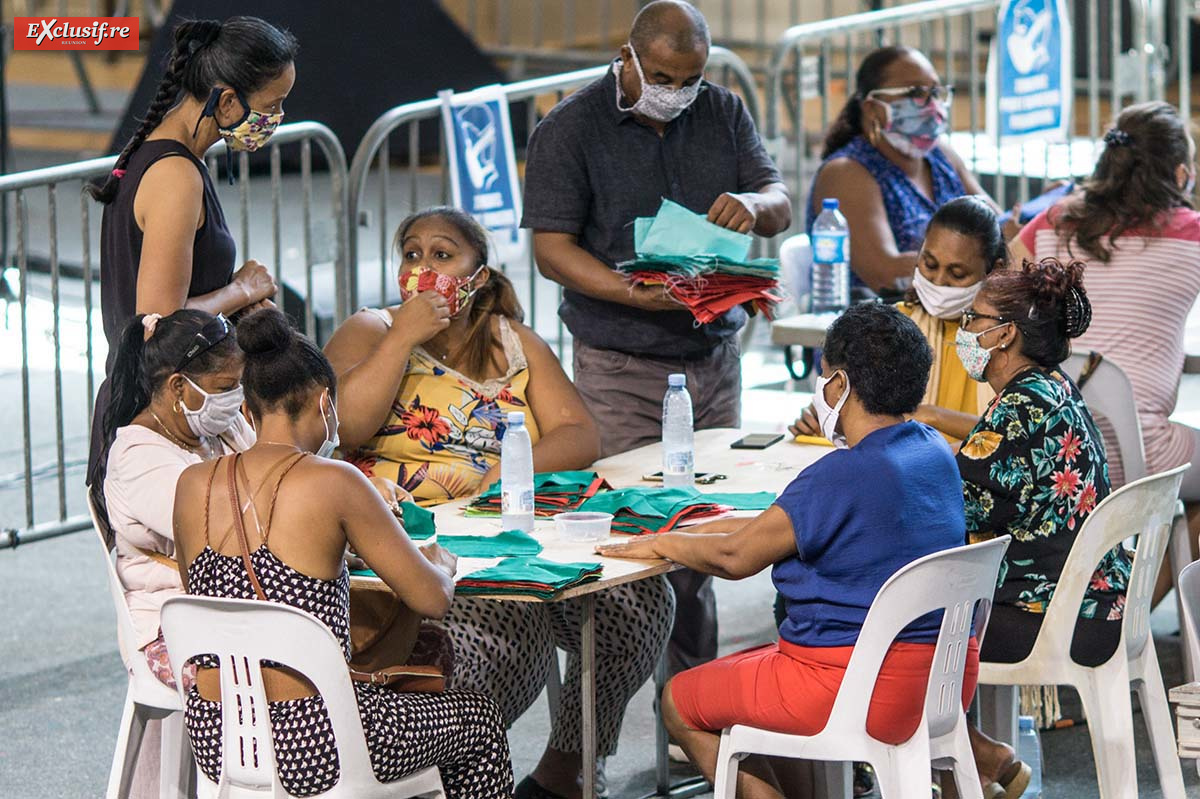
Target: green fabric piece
528, 576
506, 544
757, 500
677, 231
543, 480
657, 503
418, 521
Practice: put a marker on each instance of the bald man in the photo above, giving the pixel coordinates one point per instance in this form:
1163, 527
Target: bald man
651, 128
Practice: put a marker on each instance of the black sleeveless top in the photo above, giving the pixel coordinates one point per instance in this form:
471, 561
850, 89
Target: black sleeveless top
213, 255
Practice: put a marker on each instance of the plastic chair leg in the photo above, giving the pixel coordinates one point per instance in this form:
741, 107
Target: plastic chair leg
1179, 554
129, 741
725, 779
177, 770
1157, 714
1104, 692
904, 774
834, 779
956, 746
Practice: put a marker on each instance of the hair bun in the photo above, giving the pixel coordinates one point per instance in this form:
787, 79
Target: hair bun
1058, 289
196, 33
265, 333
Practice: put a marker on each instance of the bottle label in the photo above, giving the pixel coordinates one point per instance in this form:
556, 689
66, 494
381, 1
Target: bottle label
516, 502
678, 463
829, 249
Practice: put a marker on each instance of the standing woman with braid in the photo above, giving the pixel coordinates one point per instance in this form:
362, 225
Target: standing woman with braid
164, 244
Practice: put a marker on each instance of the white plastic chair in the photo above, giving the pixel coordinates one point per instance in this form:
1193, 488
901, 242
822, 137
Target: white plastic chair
1144, 508
244, 632
1188, 587
1108, 392
146, 698
953, 581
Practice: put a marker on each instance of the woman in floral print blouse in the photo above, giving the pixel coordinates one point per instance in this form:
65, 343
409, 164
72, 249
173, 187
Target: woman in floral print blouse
1033, 466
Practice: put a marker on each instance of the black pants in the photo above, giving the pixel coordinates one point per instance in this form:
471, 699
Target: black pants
1012, 631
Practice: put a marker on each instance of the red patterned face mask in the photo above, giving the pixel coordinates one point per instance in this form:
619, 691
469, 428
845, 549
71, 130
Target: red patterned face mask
456, 290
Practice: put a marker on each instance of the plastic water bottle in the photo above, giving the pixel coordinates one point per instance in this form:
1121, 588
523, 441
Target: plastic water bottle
1029, 750
678, 458
516, 476
831, 260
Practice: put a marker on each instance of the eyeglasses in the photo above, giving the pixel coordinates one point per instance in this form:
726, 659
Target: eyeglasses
207, 337
921, 94
970, 315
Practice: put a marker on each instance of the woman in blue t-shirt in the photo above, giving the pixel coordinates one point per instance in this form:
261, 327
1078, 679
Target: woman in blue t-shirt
887, 495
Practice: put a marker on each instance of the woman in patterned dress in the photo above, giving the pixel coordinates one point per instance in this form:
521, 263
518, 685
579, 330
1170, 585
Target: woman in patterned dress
1034, 467
426, 389
299, 513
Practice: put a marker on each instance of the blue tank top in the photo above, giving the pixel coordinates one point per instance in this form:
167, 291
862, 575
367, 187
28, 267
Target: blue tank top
908, 209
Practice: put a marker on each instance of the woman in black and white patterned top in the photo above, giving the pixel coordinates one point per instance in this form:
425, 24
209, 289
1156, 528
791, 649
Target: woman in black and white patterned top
299, 513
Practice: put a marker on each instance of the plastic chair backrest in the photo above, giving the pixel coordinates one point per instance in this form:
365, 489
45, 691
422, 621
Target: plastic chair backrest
1145, 508
242, 633
1109, 393
953, 581
126, 637
1189, 594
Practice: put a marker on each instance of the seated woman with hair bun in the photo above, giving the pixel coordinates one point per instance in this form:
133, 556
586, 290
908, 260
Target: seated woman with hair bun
1034, 467
295, 514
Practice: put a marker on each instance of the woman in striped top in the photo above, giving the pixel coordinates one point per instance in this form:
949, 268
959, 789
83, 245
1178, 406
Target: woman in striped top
1133, 224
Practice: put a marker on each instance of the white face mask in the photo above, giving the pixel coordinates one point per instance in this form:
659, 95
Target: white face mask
827, 417
660, 103
216, 414
331, 439
944, 302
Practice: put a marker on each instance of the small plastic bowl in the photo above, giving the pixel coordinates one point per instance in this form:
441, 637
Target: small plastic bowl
583, 526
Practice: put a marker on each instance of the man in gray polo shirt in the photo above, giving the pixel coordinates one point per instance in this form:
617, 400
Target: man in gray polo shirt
650, 128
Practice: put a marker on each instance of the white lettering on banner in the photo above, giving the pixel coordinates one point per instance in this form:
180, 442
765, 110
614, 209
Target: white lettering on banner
498, 218
485, 202
1048, 99
1031, 84
1032, 120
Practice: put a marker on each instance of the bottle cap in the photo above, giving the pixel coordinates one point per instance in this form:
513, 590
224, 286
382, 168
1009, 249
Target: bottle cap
677, 381
516, 418
1025, 722
829, 204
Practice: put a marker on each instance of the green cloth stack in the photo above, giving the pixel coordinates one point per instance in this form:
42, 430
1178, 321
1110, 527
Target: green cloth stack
528, 576
643, 509
507, 544
553, 492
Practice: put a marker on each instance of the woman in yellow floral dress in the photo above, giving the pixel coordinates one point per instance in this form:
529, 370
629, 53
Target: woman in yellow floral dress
1034, 467
424, 392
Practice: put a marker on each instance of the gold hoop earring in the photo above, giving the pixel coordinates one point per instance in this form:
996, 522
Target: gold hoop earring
178, 407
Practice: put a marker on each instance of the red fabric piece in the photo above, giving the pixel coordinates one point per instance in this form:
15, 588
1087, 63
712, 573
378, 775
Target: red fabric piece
708, 297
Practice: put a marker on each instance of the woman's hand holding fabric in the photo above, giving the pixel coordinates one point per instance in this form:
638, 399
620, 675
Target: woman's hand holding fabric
422, 317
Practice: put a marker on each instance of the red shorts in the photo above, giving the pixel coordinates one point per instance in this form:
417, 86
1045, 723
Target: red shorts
788, 688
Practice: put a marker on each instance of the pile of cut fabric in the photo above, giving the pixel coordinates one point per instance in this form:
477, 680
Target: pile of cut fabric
553, 493
641, 510
528, 576
703, 266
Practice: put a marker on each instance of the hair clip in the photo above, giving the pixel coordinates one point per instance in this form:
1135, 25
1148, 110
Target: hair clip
1118, 138
150, 322
118, 173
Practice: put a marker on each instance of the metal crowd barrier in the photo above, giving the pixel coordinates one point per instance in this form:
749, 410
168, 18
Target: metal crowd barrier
811, 59
58, 417
426, 186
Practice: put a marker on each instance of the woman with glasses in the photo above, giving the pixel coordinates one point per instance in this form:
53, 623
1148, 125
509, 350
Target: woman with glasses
1033, 467
887, 162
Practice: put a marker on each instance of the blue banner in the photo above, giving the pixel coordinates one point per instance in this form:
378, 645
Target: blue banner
483, 168
1029, 88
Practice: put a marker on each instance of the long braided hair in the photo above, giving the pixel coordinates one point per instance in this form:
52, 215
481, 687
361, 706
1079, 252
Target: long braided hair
242, 53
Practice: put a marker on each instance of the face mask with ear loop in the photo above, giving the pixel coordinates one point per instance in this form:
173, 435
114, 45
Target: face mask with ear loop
827, 417
331, 441
248, 134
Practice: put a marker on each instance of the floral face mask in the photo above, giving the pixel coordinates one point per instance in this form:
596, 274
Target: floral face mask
457, 290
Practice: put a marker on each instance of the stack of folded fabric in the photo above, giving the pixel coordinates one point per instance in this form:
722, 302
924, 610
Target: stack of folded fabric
553, 492
528, 576
506, 544
703, 266
643, 509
